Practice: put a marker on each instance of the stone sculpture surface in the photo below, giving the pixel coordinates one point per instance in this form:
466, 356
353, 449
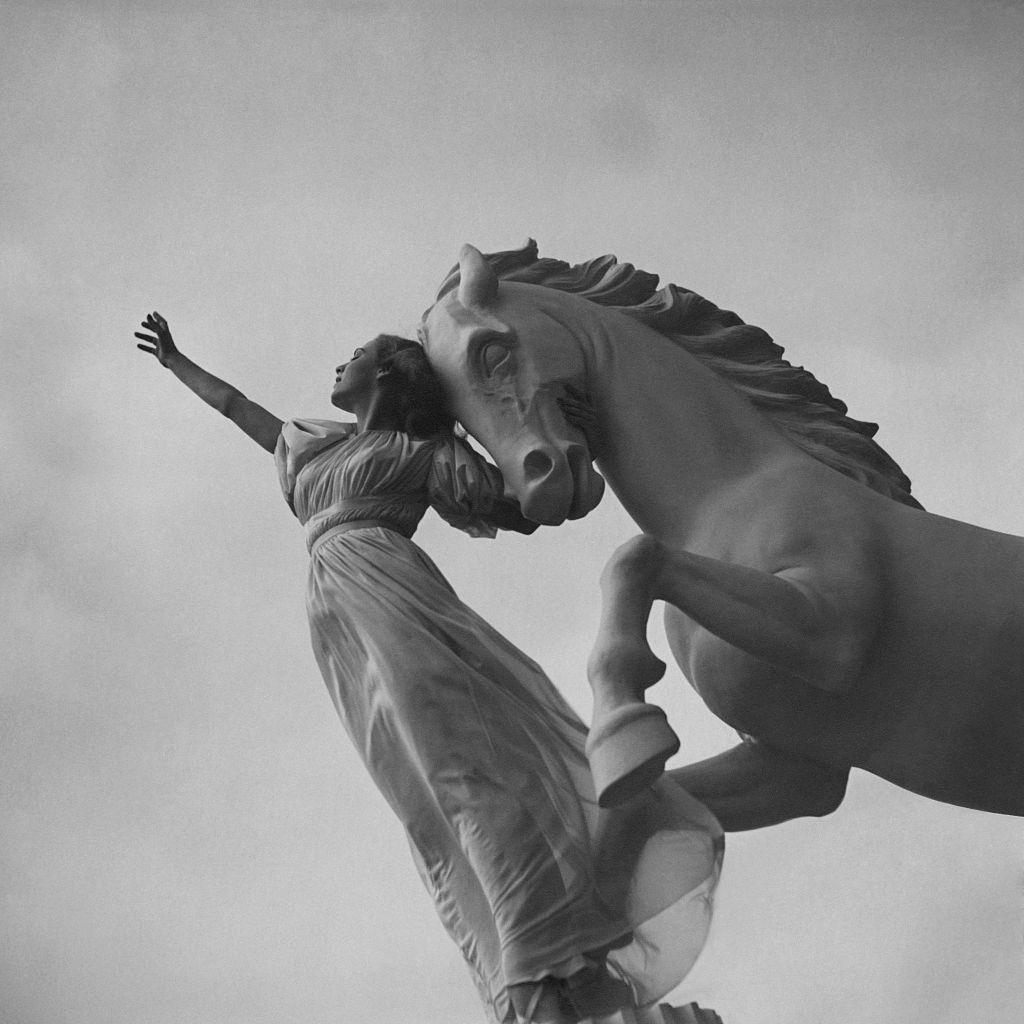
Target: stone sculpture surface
810, 600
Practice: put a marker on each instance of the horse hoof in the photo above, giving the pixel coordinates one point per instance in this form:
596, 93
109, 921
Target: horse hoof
627, 749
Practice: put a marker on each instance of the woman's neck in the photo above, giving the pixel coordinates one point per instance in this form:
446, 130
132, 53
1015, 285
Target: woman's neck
380, 412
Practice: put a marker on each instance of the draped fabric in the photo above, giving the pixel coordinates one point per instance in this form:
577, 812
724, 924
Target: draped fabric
473, 747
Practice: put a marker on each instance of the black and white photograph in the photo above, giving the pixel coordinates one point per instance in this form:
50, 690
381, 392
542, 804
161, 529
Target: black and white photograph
513, 512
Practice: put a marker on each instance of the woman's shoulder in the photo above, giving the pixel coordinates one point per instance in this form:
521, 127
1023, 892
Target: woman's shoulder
301, 441
304, 431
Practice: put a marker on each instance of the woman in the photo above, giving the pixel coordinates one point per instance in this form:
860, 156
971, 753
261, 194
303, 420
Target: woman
562, 911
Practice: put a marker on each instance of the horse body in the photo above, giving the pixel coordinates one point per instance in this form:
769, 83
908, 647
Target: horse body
830, 622
947, 677
937, 706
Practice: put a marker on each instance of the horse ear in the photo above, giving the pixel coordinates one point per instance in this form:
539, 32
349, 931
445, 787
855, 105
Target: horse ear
478, 284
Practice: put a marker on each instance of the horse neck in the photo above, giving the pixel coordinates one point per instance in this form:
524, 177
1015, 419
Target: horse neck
676, 434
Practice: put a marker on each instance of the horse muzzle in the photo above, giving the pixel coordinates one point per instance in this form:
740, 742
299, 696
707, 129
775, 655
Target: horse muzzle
556, 483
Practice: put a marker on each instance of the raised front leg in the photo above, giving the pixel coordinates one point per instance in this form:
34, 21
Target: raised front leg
754, 785
629, 740
792, 620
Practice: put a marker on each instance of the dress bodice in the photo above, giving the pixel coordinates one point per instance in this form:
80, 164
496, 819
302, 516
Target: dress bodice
331, 475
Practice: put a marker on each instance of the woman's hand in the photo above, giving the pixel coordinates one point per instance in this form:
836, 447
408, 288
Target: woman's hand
159, 343
579, 412
263, 427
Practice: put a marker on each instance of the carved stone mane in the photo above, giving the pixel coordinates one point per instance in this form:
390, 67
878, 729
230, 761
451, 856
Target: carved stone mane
740, 353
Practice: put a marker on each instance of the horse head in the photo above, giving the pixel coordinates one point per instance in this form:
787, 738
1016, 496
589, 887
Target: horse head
504, 363
511, 330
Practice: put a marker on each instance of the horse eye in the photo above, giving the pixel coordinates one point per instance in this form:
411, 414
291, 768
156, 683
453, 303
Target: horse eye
494, 357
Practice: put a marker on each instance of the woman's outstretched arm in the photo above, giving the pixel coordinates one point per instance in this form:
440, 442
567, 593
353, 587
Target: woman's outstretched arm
263, 427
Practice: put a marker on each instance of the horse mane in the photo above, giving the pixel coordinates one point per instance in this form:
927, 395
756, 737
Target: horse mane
744, 355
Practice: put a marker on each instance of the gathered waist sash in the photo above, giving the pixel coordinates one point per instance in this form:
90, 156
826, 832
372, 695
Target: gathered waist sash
358, 524
398, 511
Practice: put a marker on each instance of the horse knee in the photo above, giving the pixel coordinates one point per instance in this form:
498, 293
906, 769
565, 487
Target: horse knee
638, 560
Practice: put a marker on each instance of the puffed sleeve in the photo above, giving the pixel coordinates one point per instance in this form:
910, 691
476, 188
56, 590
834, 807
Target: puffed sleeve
298, 442
464, 488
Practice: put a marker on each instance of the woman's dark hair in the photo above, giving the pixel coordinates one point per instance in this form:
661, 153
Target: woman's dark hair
404, 370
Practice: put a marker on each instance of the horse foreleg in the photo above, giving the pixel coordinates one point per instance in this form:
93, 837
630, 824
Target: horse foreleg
754, 785
790, 620
629, 740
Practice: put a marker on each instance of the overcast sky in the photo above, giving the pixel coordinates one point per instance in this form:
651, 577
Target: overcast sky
187, 835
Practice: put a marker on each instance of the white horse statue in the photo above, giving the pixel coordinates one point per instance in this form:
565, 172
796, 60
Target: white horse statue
811, 602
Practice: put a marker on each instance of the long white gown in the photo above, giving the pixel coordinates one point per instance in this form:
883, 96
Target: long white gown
473, 747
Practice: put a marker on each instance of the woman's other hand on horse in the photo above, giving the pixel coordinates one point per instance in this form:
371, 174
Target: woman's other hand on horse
579, 412
158, 342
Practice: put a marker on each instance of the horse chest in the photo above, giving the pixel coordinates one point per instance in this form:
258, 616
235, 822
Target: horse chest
736, 687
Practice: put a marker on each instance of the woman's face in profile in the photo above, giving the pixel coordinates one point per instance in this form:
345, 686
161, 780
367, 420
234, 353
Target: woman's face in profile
356, 380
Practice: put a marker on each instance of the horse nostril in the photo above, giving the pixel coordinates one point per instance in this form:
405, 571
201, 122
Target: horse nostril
537, 465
